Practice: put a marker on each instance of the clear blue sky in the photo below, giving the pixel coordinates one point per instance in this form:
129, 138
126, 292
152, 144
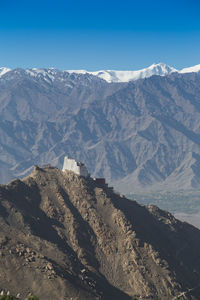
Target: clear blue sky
98, 34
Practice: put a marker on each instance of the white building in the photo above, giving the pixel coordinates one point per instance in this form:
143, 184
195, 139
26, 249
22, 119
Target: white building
74, 166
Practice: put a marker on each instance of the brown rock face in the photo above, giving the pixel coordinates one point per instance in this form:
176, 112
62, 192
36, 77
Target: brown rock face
66, 237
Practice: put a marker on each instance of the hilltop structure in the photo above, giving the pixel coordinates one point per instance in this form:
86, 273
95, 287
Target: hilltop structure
80, 169
77, 167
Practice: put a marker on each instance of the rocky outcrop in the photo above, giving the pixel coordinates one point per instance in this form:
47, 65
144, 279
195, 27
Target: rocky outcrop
64, 236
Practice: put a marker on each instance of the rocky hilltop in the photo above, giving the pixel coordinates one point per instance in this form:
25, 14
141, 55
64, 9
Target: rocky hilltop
67, 237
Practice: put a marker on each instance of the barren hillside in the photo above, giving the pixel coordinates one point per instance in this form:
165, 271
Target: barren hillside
63, 236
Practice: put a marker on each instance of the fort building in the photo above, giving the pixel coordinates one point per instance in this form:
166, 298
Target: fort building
80, 169
77, 167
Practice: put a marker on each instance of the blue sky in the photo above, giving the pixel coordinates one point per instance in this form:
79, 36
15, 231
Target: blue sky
98, 34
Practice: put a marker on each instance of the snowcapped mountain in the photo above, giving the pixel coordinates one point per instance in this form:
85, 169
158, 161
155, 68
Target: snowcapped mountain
125, 76
51, 74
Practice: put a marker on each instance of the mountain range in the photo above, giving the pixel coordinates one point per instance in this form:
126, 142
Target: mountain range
111, 75
140, 135
64, 236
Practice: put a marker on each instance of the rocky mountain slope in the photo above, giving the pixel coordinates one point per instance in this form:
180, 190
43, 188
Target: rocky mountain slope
140, 135
66, 237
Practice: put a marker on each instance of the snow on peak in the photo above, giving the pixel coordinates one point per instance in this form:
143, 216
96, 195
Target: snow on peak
46, 74
77, 71
125, 76
160, 69
4, 71
195, 68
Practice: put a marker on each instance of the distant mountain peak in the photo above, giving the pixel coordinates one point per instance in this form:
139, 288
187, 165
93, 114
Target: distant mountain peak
124, 76
162, 66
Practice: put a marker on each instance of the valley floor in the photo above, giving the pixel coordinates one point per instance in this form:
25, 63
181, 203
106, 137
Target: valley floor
193, 219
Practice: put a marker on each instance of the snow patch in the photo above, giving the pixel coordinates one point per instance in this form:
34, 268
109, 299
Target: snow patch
4, 71
195, 68
125, 76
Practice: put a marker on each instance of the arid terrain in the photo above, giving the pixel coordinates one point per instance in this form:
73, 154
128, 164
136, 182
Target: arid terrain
63, 236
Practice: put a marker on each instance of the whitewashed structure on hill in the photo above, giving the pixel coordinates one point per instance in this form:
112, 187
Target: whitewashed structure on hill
77, 167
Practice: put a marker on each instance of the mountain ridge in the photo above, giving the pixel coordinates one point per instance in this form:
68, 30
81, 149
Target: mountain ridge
160, 69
